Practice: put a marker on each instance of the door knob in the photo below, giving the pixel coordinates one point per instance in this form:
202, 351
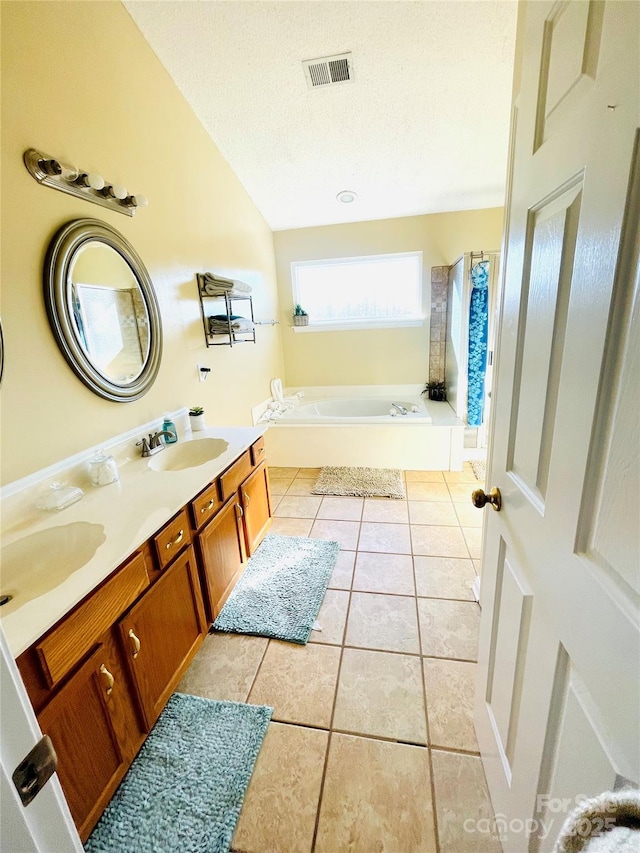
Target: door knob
479, 499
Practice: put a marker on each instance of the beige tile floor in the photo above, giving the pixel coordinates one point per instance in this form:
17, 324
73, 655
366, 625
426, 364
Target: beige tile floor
371, 748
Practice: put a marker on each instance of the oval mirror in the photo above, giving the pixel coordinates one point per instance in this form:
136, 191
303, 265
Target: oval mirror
103, 309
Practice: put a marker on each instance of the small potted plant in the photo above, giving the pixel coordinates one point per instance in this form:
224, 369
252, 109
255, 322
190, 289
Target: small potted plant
437, 391
196, 417
300, 316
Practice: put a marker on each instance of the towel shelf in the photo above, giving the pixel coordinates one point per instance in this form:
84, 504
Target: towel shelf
231, 336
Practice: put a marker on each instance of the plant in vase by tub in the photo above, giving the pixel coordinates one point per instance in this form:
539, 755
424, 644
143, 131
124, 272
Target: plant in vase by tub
437, 391
300, 316
196, 417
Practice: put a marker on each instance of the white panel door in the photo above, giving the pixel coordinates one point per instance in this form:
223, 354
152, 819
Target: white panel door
45, 825
558, 697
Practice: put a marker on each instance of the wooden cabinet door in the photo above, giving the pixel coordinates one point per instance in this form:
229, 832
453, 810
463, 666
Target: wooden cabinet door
82, 723
162, 633
222, 554
256, 502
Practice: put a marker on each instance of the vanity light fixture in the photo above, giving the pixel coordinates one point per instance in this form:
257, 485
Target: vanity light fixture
91, 186
347, 196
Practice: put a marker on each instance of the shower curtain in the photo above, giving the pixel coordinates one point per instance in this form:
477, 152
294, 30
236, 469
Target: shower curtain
478, 336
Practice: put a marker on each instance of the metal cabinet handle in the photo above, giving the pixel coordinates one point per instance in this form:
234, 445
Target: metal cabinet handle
246, 499
108, 678
135, 643
239, 511
175, 541
260, 450
479, 499
208, 506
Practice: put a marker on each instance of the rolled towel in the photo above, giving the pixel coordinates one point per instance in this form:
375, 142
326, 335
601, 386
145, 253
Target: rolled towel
276, 390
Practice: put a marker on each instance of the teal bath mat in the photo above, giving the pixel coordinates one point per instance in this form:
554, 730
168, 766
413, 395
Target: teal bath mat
184, 791
281, 590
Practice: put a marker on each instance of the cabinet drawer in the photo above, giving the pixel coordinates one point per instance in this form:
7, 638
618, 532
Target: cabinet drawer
257, 452
205, 505
235, 475
61, 650
172, 539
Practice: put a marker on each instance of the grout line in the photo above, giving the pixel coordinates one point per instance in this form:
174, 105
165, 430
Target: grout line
333, 711
264, 654
451, 749
426, 717
381, 738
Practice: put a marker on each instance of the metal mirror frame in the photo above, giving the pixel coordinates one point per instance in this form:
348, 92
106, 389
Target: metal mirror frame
60, 254
1, 353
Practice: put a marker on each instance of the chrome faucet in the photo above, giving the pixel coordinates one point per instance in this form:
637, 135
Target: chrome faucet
153, 444
400, 408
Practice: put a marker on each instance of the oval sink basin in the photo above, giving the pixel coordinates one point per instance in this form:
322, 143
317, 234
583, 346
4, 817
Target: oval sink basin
36, 564
188, 455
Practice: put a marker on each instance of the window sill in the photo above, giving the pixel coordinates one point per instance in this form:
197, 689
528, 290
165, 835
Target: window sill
354, 327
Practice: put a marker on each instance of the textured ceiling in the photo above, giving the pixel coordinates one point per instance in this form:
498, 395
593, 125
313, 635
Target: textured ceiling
422, 129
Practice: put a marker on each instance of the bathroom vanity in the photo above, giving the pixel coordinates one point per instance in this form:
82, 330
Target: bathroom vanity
100, 676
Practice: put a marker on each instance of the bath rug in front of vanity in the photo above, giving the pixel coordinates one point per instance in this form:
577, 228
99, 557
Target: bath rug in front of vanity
479, 468
361, 482
184, 790
281, 589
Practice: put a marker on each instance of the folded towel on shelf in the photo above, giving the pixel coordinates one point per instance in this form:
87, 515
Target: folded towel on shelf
219, 324
216, 285
241, 287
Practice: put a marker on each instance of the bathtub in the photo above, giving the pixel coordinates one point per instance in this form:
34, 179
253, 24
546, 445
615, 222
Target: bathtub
356, 410
353, 426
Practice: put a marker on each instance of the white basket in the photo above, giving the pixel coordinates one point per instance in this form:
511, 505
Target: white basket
300, 319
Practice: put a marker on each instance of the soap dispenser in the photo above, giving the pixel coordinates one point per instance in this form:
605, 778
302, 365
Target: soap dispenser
169, 425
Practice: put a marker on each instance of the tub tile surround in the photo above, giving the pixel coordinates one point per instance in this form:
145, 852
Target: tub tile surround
438, 323
130, 511
372, 744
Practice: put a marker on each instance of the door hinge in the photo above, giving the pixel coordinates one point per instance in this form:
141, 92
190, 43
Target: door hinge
35, 770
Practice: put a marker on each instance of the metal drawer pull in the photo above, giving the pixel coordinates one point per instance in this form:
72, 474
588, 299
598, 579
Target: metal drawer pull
175, 541
208, 506
109, 679
239, 511
136, 643
260, 450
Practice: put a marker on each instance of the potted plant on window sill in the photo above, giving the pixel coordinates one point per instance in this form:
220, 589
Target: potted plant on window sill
437, 391
196, 418
300, 316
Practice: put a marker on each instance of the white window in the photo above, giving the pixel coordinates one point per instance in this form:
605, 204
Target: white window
374, 291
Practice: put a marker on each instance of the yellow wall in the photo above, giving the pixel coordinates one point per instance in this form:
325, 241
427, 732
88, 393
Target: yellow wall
81, 83
374, 356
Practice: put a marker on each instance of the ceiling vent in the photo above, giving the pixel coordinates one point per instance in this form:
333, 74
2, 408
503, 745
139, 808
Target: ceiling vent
328, 71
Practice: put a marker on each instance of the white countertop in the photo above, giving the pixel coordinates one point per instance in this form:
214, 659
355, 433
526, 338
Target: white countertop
130, 511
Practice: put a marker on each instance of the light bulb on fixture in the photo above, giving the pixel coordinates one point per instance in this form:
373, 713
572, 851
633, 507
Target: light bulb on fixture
116, 191
50, 167
347, 196
136, 201
69, 173
91, 180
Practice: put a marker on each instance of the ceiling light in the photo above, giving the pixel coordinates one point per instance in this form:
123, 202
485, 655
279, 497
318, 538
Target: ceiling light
347, 196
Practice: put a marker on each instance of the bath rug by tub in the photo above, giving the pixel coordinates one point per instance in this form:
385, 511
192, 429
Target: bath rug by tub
281, 589
184, 790
479, 468
361, 482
